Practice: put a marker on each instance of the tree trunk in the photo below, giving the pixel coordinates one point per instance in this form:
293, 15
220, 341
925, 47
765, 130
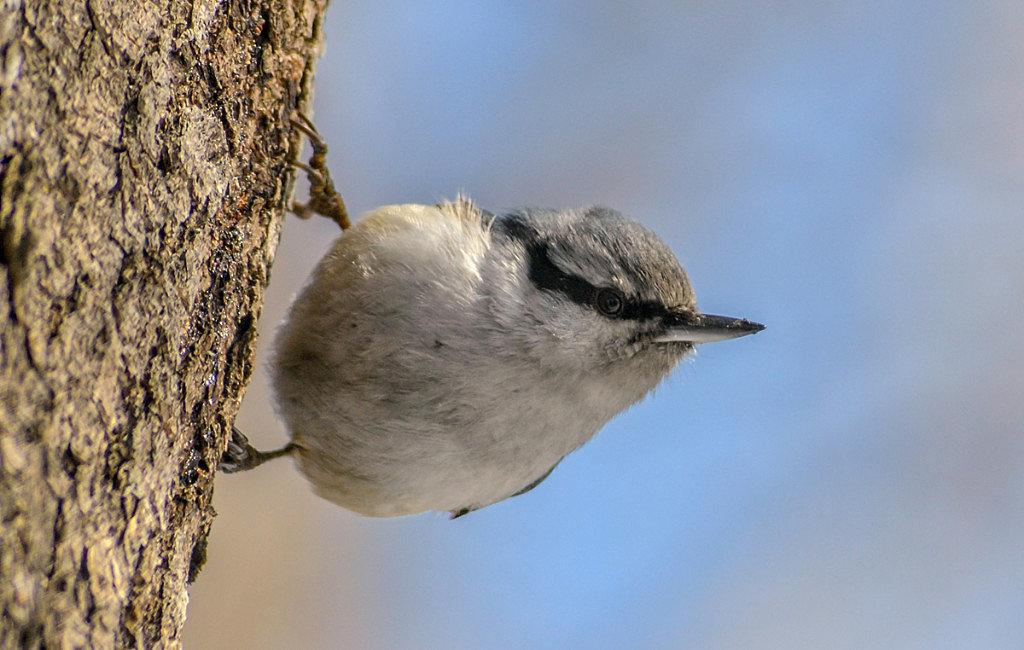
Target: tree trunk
144, 152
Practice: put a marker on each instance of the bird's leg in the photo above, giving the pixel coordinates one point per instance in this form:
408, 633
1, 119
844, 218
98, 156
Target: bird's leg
323, 198
240, 455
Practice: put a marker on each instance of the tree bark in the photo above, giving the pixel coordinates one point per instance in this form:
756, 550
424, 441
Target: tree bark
144, 152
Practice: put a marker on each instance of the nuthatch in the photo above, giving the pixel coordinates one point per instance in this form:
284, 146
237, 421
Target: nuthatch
446, 358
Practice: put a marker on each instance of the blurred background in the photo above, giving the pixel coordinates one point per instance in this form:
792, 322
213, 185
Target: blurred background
850, 174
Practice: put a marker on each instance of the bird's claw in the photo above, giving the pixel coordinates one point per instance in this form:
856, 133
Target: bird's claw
324, 199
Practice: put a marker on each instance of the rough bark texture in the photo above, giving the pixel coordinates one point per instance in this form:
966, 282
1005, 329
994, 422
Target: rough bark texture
143, 172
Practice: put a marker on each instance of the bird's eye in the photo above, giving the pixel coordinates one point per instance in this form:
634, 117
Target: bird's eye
610, 302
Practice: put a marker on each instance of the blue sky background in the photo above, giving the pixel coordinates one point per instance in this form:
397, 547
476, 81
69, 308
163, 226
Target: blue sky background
849, 174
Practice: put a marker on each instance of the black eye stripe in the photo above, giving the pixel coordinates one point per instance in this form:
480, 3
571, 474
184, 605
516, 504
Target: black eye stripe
545, 275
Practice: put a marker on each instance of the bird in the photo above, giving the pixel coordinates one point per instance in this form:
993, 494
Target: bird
444, 357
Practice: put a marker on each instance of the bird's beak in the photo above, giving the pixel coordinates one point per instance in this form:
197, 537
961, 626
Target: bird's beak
705, 328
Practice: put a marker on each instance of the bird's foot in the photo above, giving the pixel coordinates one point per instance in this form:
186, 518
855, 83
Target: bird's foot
324, 199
